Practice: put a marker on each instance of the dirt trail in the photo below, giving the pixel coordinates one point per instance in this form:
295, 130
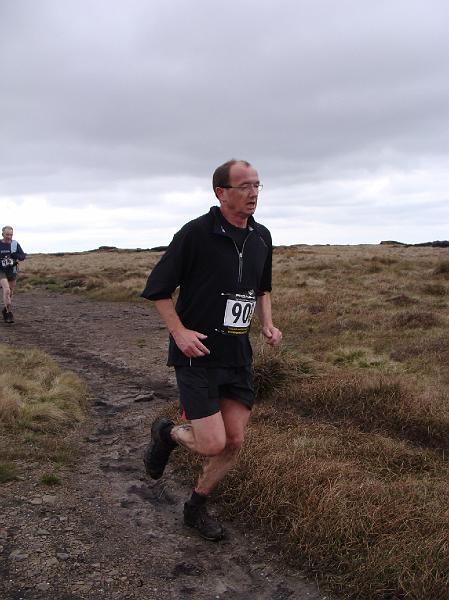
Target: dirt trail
109, 531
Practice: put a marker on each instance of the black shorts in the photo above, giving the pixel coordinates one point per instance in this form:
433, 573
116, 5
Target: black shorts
7, 274
200, 389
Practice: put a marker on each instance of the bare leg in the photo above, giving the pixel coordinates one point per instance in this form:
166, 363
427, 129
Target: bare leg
206, 436
6, 293
12, 285
235, 417
219, 437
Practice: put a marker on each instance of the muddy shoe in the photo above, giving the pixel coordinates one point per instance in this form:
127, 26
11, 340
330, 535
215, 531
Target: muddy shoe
158, 452
9, 317
5, 315
198, 518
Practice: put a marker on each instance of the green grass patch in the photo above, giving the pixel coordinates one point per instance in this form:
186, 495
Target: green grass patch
8, 472
50, 479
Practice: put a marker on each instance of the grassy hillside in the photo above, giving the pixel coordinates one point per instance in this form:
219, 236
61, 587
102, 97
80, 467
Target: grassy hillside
346, 460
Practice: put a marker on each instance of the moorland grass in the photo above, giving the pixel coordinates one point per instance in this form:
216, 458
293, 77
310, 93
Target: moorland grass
366, 510
39, 405
346, 458
113, 275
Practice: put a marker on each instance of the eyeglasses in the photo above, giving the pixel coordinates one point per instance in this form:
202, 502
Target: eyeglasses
246, 187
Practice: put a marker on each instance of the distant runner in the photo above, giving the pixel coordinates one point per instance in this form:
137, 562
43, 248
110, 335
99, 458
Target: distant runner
10, 254
221, 262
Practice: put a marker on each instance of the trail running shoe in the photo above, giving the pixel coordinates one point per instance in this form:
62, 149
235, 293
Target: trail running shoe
207, 526
9, 317
5, 315
158, 451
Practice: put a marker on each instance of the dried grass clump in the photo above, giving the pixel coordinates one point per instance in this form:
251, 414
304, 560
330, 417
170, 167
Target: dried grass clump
433, 349
371, 533
415, 320
35, 394
373, 403
384, 260
442, 268
275, 371
435, 289
10, 405
402, 300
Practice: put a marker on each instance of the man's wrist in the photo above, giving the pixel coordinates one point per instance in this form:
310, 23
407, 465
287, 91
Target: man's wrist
176, 330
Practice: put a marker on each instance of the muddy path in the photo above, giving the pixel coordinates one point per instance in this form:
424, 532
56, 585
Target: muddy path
109, 531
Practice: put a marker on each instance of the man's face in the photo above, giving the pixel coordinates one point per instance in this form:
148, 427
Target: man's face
241, 203
7, 235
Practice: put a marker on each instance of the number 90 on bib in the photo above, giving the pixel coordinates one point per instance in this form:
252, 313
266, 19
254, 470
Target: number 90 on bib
238, 313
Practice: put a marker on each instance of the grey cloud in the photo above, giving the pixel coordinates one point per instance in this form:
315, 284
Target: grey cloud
99, 97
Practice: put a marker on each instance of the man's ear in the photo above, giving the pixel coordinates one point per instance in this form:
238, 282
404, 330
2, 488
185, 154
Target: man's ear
219, 192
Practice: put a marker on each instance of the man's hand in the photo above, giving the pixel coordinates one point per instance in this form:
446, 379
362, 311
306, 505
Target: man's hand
272, 334
189, 342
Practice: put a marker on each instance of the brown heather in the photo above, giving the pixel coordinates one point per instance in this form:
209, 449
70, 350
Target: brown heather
346, 459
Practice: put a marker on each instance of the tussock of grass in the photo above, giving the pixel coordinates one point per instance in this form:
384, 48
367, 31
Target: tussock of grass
50, 479
415, 320
39, 405
402, 300
433, 349
275, 370
442, 268
373, 403
435, 289
35, 394
371, 531
8, 472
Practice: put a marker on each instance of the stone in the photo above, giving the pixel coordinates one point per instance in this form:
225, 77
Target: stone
52, 562
62, 556
47, 499
145, 397
18, 555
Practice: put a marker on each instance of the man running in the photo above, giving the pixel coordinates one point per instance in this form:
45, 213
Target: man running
10, 254
221, 262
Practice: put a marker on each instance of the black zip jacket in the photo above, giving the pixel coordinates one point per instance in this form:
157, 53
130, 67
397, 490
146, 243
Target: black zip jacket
218, 286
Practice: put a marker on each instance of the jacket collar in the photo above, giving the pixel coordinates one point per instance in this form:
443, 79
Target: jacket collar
219, 222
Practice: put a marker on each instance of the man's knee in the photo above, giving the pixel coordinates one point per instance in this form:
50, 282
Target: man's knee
212, 447
235, 441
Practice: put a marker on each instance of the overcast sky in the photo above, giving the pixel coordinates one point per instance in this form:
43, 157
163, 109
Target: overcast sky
114, 114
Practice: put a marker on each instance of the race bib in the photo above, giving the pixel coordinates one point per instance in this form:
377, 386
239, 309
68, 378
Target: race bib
238, 313
7, 262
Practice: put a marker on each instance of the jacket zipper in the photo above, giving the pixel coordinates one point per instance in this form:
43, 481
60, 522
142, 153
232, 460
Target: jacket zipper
240, 255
